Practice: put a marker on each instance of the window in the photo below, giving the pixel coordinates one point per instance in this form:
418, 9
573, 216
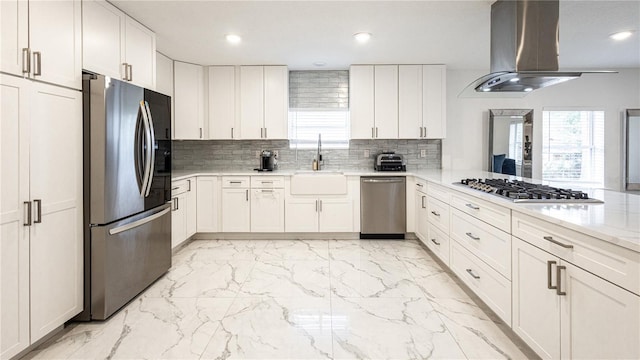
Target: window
573, 147
306, 124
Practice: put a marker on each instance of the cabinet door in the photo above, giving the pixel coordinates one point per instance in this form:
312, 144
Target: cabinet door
192, 207
251, 102
536, 308
188, 95
236, 210
14, 236
421, 216
438, 242
301, 215
361, 101
276, 102
14, 35
222, 103
267, 210
599, 320
103, 38
410, 102
386, 101
55, 31
434, 100
207, 204
140, 53
336, 215
56, 181
179, 220
164, 75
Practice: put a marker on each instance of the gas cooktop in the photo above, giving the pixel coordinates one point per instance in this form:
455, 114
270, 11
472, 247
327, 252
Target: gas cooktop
524, 192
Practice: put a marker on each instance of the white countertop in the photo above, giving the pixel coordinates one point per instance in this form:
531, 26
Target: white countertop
616, 221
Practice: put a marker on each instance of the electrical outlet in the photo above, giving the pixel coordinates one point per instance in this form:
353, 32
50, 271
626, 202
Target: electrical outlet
366, 153
423, 153
275, 152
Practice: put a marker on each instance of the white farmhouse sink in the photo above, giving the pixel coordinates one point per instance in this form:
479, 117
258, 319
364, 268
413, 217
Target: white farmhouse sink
318, 183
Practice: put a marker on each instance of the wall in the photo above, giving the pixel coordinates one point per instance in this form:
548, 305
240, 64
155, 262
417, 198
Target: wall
467, 118
241, 154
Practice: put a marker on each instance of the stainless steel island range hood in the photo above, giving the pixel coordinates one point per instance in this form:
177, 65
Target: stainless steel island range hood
524, 48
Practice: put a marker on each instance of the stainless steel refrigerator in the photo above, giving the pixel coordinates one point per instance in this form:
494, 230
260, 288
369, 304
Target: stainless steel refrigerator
127, 192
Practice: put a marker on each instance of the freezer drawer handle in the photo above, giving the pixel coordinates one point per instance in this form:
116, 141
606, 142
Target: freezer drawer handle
137, 223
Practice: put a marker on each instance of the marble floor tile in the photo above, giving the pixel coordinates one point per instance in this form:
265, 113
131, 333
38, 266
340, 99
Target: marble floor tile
436, 283
213, 278
296, 250
288, 279
207, 250
274, 328
362, 249
372, 278
391, 328
148, 328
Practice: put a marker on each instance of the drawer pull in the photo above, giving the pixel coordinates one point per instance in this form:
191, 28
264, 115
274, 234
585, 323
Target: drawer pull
175, 188
472, 236
472, 274
235, 182
472, 206
435, 242
549, 265
435, 213
423, 205
419, 185
550, 239
559, 280
267, 182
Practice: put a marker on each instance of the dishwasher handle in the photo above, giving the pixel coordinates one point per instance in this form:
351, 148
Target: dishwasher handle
384, 180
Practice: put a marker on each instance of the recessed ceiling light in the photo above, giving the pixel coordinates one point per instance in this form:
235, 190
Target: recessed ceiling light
621, 35
362, 37
319, 63
233, 39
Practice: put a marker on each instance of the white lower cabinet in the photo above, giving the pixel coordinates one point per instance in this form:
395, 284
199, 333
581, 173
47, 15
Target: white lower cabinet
323, 214
178, 220
192, 207
438, 242
236, 210
41, 210
563, 311
207, 204
267, 210
184, 207
421, 211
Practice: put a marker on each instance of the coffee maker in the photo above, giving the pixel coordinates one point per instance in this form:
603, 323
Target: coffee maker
268, 161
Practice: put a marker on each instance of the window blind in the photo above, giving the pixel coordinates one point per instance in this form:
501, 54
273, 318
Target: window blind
306, 124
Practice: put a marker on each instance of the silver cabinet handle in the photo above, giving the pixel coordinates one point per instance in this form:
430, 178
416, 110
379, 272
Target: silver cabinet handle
265, 133
200, 133
189, 186
472, 274
232, 133
316, 205
28, 212
130, 72
177, 203
376, 132
320, 205
267, 190
472, 236
435, 242
373, 134
550, 239
420, 131
175, 188
267, 182
235, 182
435, 213
423, 205
471, 206
38, 204
37, 59
419, 185
26, 61
549, 265
559, 280
125, 66
425, 131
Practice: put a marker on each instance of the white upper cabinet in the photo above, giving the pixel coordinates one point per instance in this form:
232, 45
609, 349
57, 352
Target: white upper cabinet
164, 75
386, 101
42, 40
264, 102
410, 102
434, 101
361, 100
189, 101
116, 45
222, 103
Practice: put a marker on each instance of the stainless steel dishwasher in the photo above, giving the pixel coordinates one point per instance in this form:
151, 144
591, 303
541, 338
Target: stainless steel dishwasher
383, 209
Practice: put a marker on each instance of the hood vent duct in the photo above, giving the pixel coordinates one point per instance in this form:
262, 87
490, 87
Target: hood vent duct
524, 48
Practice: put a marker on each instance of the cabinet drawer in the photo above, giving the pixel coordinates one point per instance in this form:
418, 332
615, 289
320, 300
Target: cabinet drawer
439, 192
485, 282
613, 263
181, 186
438, 214
438, 242
491, 245
421, 185
235, 181
495, 215
275, 182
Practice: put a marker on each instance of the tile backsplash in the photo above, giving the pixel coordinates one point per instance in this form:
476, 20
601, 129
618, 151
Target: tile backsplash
241, 154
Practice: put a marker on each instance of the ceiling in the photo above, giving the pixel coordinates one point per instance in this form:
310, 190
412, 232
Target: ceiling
300, 33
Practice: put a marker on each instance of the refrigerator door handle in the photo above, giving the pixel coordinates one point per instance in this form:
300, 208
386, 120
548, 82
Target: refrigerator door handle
152, 162
135, 224
147, 150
